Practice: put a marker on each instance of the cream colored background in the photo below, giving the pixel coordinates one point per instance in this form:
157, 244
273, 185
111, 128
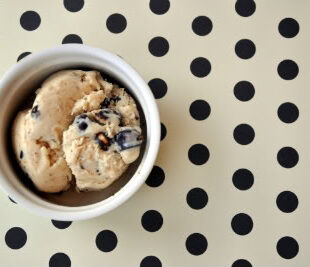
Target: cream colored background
168, 244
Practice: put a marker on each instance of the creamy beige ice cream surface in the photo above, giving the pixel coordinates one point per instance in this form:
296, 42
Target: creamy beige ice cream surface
79, 124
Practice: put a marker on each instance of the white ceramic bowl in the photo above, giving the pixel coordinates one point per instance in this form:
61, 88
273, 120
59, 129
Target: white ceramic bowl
25, 76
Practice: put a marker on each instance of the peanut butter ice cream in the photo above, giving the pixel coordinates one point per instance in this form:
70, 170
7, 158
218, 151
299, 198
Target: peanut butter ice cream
79, 127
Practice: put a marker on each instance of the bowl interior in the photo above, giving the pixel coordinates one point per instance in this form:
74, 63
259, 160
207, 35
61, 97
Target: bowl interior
24, 93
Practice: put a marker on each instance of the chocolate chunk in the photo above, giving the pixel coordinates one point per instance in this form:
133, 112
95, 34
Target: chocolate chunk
83, 116
117, 113
103, 141
81, 121
35, 113
108, 101
83, 77
99, 122
115, 99
21, 154
106, 114
128, 138
105, 103
83, 126
102, 115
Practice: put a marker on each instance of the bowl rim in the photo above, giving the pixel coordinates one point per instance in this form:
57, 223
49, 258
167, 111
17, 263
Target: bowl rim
42, 207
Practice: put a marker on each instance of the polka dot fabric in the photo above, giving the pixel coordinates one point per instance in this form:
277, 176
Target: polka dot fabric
230, 184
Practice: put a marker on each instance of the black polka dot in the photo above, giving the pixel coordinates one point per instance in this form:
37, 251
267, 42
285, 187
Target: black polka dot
202, 25
288, 28
159, 7
73, 5
158, 46
156, 177
198, 154
287, 201
150, 261
30, 20
106, 241
116, 23
288, 69
152, 220
60, 260
72, 39
12, 200
241, 263
22, 55
61, 224
196, 244
245, 49
245, 8
200, 110
163, 131
197, 198
244, 134
288, 112
287, 247
244, 91
200, 67
243, 179
158, 87
15, 238
242, 224
287, 157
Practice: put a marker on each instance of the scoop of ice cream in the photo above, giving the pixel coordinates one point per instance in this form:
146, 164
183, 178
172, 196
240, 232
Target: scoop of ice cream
95, 145
37, 133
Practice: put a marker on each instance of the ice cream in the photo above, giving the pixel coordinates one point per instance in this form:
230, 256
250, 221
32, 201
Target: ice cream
79, 127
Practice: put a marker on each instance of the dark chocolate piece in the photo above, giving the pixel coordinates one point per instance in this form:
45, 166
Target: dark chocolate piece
35, 113
128, 138
83, 126
108, 101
